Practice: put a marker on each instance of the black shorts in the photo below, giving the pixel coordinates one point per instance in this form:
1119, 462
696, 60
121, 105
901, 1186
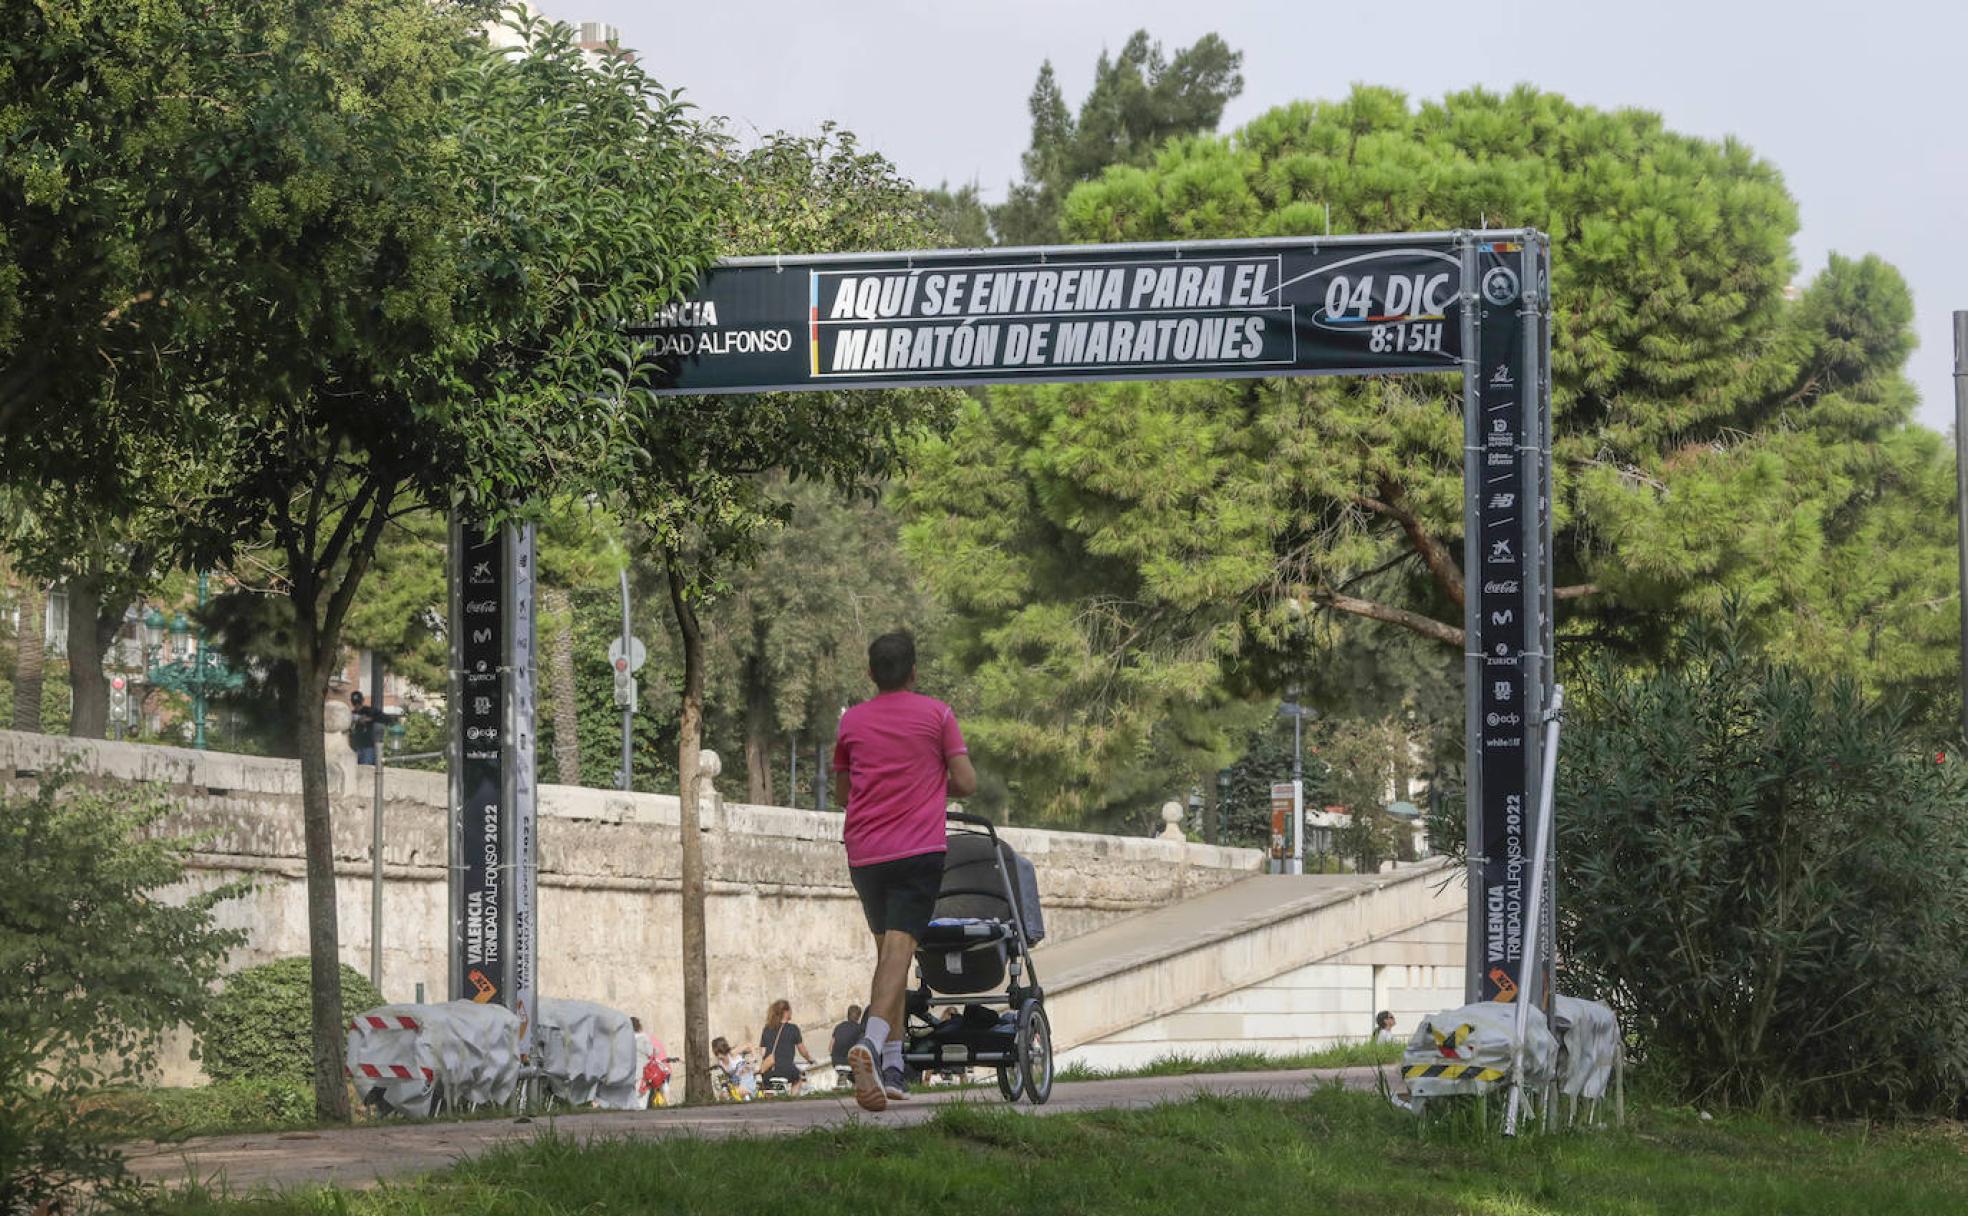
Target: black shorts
899, 895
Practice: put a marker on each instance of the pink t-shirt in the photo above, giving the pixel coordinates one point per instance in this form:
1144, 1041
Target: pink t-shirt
893, 749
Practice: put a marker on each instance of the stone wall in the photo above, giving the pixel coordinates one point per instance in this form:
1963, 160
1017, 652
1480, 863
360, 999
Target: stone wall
782, 920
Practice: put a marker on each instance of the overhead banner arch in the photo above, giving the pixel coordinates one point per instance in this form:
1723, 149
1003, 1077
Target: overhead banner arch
1474, 302
1083, 312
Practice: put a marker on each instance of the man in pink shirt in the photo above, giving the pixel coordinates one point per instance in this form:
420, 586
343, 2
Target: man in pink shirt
899, 759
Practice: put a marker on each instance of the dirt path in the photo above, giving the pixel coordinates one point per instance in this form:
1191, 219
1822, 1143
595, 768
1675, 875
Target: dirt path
363, 1155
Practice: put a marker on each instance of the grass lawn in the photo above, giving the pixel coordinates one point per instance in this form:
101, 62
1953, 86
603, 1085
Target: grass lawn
1345, 1055
1328, 1151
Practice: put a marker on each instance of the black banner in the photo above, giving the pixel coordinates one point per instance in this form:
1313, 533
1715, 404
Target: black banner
1508, 481
481, 820
1212, 309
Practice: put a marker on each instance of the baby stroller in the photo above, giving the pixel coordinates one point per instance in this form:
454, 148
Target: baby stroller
987, 920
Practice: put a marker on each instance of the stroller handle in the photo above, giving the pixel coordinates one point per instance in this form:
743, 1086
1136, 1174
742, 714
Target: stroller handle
976, 821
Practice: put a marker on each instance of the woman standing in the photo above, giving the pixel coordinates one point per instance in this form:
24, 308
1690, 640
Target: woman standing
779, 1040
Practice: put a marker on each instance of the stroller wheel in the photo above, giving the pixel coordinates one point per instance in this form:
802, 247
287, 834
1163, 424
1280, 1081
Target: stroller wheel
1011, 1083
1034, 1053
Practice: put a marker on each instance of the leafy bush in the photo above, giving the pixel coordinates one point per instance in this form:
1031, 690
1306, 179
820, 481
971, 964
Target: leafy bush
1767, 875
95, 963
259, 1027
205, 1110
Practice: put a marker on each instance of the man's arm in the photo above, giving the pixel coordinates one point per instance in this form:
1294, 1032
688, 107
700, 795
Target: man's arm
963, 778
840, 788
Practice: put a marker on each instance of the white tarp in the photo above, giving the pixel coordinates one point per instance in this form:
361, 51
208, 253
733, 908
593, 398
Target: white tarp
1469, 1050
467, 1051
1588, 1045
588, 1054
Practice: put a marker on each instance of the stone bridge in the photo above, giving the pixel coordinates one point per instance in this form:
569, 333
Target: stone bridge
1156, 945
781, 918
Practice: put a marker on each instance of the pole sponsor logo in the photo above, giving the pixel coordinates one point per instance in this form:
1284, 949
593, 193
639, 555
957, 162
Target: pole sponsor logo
1500, 285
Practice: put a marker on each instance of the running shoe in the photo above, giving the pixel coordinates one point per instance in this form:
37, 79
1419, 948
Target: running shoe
868, 1089
894, 1085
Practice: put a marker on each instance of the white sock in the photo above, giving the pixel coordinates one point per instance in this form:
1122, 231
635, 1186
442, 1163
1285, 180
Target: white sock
877, 1032
892, 1055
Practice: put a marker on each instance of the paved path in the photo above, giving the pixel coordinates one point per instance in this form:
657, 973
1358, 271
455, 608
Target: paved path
360, 1156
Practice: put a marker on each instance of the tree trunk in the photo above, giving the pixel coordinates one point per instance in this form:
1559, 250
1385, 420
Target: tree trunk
312, 673
1212, 813
92, 625
690, 735
321, 605
758, 736
566, 710
29, 656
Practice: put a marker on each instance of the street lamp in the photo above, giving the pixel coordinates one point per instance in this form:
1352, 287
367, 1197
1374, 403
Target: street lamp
193, 670
1290, 708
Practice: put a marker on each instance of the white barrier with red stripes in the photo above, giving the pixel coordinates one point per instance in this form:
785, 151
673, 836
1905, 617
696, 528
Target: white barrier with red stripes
466, 1052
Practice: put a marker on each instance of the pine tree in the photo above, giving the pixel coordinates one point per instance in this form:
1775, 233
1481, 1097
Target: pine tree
1125, 559
1138, 100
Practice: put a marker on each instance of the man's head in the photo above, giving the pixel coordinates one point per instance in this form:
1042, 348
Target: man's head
355, 698
892, 660
854, 1013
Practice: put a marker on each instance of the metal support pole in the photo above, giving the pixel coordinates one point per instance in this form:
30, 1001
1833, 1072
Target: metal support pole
822, 775
197, 672
1298, 788
376, 831
1961, 491
793, 769
1534, 909
1472, 623
628, 710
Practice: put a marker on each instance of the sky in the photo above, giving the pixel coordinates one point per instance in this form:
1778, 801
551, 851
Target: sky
1860, 105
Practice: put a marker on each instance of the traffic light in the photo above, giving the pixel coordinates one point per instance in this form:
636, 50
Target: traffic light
625, 685
119, 703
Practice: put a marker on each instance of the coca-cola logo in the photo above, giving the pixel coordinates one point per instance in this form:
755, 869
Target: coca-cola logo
1500, 587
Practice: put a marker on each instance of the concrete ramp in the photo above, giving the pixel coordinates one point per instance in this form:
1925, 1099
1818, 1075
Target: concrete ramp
1274, 963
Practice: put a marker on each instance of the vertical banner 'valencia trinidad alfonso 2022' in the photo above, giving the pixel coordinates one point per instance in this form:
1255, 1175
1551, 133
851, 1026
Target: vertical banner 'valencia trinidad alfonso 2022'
1211, 309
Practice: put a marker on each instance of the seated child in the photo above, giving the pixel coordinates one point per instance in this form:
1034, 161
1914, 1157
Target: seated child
738, 1067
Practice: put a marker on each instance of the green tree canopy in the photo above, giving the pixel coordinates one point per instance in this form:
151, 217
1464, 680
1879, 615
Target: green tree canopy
1139, 99
416, 251
787, 647
97, 102
1123, 556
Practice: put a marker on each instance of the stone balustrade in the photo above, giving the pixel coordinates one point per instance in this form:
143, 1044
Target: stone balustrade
782, 919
